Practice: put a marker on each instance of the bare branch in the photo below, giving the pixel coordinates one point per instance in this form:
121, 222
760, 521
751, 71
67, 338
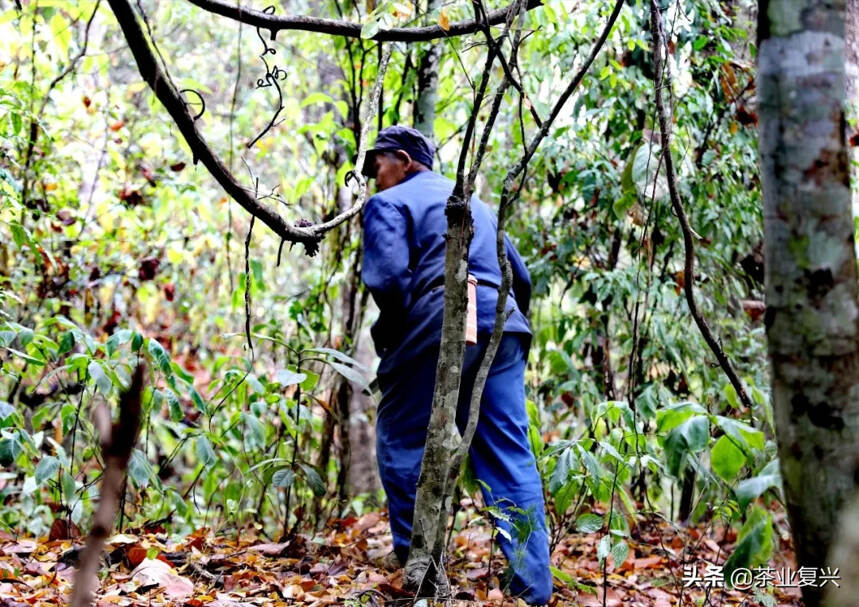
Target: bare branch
662, 79
167, 92
275, 23
366, 119
176, 106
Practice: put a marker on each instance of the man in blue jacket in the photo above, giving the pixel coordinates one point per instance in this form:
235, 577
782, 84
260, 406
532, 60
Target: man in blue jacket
403, 266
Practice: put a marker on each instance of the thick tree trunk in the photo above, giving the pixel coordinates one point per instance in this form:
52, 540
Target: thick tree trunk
812, 312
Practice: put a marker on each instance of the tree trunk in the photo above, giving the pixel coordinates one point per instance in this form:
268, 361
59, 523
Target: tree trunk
811, 316
424, 569
428, 84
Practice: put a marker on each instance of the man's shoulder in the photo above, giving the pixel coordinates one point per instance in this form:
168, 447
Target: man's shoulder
422, 187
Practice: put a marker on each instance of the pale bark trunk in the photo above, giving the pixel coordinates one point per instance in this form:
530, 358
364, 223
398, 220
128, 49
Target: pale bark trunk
811, 291
428, 84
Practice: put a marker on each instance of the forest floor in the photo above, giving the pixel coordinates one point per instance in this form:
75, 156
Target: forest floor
344, 566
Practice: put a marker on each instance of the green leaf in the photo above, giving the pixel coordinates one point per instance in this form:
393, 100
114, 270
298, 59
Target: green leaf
160, 357
10, 449
351, 374
46, 468
338, 355
743, 434
752, 488
102, 381
67, 342
25, 336
726, 459
370, 29
205, 453
316, 97
311, 381
69, 486
5, 410
561, 473
287, 377
564, 498
182, 373
690, 436
283, 478
30, 359
174, 406
731, 395
198, 401
619, 552
604, 547
136, 341
754, 543
313, 480
139, 469
589, 523
116, 340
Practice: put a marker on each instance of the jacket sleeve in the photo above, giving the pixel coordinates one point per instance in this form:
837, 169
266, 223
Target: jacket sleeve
521, 278
385, 269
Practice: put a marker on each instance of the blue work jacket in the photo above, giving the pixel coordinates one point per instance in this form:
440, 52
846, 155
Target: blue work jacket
403, 266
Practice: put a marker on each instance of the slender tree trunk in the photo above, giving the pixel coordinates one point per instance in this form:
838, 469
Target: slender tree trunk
424, 570
811, 290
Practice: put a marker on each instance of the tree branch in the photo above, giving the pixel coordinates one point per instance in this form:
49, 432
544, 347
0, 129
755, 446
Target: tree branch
276, 23
169, 96
677, 205
167, 92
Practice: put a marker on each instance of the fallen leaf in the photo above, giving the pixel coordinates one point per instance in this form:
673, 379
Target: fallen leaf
154, 571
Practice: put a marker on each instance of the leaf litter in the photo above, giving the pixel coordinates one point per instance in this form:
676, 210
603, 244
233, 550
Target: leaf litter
346, 564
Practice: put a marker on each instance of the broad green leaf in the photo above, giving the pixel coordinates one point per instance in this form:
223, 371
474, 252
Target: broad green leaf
283, 478
5, 409
46, 468
102, 381
752, 488
287, 377
754, 543
313, 480
726, 459
690, 436
604, 547
619, 552
30, 359
116, 340
159, 356
174, 406
139, 469
205, 453
589, 523
198, 401
10, 449
339, 356
370, 29
351, 374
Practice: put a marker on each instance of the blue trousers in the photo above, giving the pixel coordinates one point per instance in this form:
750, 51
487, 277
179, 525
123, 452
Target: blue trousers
500, 455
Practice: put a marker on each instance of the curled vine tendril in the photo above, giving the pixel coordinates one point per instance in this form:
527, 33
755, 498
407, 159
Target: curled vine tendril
273, 76
202, 101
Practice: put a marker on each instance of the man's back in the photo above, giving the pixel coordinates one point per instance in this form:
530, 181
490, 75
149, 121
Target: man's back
404, 251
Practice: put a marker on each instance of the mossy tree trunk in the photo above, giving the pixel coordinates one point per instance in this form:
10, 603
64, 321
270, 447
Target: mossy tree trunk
811, 290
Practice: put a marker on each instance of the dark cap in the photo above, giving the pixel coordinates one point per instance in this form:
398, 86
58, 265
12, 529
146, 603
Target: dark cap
398, 137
